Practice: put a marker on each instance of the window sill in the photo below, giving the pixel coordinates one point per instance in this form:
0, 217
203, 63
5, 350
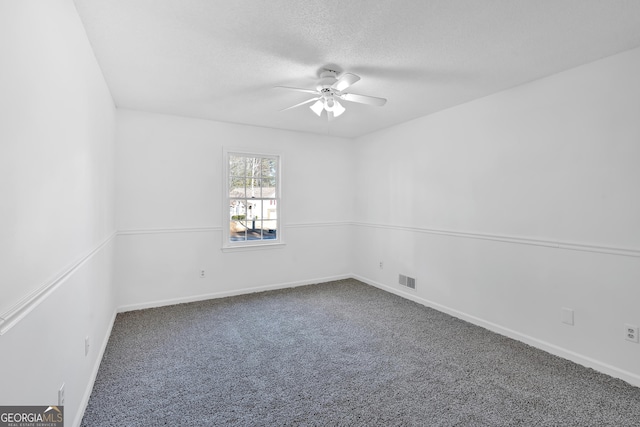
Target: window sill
249, 247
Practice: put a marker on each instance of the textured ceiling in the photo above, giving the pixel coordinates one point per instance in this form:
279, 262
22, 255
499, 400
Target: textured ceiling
219, 60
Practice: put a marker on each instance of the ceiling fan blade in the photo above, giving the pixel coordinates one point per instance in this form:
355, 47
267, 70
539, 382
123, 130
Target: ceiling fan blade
302, 103
315, 92
363, 99
345, 80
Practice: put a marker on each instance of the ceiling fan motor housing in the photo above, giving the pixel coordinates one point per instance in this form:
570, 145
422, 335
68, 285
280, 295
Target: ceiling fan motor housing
327, 79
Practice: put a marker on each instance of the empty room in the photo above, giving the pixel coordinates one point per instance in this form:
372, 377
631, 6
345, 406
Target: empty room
392, 213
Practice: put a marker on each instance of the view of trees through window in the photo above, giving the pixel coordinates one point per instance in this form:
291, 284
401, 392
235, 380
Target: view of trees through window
253, 197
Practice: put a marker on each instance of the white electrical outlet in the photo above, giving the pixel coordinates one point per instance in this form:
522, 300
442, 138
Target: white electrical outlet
631, 333
567, 316
381, 265
202, 274
86, 345
61, 395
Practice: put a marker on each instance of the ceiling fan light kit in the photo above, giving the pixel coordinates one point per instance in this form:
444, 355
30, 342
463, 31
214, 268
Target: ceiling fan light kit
329, 90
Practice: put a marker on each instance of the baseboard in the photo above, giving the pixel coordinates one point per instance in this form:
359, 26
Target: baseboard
94, 374
224, 294
605, 368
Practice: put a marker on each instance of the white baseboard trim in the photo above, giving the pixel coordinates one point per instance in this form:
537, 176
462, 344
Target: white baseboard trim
94, 373
230, 293
605, 368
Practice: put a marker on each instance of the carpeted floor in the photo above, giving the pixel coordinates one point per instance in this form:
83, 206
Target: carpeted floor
341, 354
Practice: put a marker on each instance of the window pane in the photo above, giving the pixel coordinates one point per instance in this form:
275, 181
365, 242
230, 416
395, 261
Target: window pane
236, 187
237, 210
253, 187
269, 188
269, 229
237, 231
269, 183
253, 167
268, 168
254, 230
269, 209
236, 165
251, 209
256, 209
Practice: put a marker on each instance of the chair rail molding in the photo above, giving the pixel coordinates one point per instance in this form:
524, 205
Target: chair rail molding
25, 305
557, 244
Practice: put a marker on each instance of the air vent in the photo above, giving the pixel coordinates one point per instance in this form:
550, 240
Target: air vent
409, 282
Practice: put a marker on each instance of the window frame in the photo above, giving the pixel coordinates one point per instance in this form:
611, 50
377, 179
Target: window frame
227, 244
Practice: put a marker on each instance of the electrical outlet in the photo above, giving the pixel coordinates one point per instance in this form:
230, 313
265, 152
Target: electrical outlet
381, 265
567, 316
631, 333
86, 345
61, 395
202, 274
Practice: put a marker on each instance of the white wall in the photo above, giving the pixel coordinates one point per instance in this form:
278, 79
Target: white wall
169, 214
505, 209
508, 208
57, 130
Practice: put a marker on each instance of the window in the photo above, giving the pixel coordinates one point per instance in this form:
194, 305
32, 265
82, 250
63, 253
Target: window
253, 199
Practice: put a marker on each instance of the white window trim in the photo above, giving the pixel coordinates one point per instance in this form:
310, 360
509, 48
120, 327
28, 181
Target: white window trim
227, 245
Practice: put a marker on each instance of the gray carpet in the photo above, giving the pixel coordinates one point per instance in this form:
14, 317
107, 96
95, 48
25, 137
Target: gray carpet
341, 354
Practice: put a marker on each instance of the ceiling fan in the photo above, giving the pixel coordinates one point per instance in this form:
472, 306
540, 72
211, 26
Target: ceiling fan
329, 90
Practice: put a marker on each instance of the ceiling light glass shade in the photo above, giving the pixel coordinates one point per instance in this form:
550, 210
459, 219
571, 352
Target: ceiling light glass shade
337, 108
317, 107
328, 103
